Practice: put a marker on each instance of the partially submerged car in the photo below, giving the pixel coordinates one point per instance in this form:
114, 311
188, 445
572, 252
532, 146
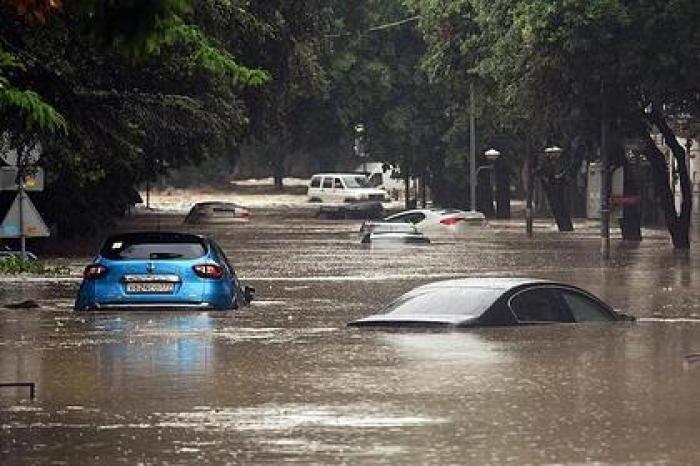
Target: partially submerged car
435, 221
161, 270
476, 302
216, 212
391, 233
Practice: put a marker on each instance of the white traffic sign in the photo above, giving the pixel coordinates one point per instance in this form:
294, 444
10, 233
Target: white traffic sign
34, 225
10, 156
8, 179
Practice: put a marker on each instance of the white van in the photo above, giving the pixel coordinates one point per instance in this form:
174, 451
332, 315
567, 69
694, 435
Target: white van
343, 187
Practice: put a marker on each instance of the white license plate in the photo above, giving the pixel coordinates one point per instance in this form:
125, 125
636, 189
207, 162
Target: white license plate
150, 287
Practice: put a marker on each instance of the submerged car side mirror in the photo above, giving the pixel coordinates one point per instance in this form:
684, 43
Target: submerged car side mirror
624, 317
248, 293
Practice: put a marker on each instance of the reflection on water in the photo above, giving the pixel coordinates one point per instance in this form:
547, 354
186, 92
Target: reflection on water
285, 379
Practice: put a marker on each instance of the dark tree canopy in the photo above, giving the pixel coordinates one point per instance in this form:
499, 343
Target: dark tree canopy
117, 92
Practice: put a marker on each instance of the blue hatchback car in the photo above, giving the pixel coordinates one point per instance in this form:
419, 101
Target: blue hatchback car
161, 270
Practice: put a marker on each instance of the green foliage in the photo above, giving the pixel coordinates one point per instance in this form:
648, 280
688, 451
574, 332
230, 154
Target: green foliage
139, 28
15, 265
540, 65
214, 59
37, 112
145, 87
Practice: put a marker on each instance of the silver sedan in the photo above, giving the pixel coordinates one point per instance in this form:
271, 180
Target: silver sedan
434, 222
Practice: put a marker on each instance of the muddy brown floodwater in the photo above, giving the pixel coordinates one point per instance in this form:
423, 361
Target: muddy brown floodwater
285, 380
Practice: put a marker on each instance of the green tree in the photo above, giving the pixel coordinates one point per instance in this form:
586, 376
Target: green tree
552, 69
135, 88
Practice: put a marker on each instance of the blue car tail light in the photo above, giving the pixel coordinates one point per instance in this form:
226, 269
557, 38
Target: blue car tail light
208, 271
94, 271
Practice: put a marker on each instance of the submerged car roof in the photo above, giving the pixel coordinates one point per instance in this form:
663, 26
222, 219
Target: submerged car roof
497, 283
339, 174
156, 237
215, 203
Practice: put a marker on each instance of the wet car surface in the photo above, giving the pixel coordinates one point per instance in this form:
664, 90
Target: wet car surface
285, 379
491, 302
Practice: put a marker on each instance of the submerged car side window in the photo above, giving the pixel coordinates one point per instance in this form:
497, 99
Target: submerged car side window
414, 217
585, 309
328, 183
539, 305
397, 219
121, 250
315, 182
469, 302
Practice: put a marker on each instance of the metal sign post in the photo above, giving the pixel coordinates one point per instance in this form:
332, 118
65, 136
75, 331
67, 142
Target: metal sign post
22, 233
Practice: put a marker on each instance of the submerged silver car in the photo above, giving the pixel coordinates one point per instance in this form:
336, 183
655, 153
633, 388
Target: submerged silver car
391, 233
474, 302
434, 222
217, 212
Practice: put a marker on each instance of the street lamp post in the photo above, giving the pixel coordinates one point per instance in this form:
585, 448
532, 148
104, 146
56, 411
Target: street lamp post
360, 144
491, 155
605, 183
472, 148
553, 153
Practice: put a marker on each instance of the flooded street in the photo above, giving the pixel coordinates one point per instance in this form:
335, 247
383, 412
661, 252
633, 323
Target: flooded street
285, 380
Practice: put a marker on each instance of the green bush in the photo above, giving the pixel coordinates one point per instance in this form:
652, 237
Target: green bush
14, 265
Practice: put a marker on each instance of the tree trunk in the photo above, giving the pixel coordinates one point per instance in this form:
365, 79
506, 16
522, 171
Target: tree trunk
407, 192
484, 194
502, 189
678, 224
631, 224
555, 190
679, 238
278, 171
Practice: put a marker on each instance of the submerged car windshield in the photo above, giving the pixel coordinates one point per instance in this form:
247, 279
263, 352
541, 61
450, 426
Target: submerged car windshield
461, 301
122, 250
354, 182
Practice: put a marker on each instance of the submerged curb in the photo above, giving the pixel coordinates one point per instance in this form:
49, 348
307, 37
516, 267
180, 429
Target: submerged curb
38, 279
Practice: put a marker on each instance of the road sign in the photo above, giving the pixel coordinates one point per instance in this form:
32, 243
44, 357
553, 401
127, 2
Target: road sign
34, 225
8, 180
31, 154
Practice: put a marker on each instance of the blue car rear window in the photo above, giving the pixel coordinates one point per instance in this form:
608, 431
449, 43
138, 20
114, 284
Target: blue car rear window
119, 249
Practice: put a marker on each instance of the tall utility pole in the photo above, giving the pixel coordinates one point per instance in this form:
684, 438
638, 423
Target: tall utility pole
604, 180
472, 148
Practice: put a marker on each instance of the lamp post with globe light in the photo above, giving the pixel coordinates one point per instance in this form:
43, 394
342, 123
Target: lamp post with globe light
553, 153
360, 145
491, 155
